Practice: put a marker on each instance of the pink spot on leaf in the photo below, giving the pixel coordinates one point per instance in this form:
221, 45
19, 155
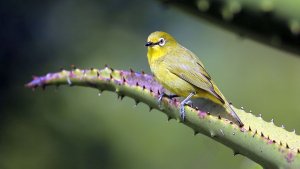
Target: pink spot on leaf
202, 114
289, 157
270, 141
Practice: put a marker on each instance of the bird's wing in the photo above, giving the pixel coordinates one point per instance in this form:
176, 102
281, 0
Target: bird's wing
192, 71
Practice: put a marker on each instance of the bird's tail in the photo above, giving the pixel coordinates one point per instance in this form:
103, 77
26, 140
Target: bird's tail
233, 114
217, 94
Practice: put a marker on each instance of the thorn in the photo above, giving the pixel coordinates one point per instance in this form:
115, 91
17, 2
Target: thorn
111, 69
222, 132
219, 117
106, 65
262, 134
144, 87
143, 73
137, 84
196, 108
268, 138
298, 150
231, 122
242, 108
259, 115
158, 92
150, 108
131, 71
212, 134
272, 121
235, 153
287, 146
98, 74
208, 113
282, 126
274, 141
110, 76
249, 128
151, 90
196, 132
124, 80
169, 118
92, 69
294, 131
136, 103
254, 133
121, 97
233, 133
280, 143
100, 92
250, 111
230, 103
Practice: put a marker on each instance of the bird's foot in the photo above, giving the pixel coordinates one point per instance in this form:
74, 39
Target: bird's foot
185, 102
161, 96
182, 108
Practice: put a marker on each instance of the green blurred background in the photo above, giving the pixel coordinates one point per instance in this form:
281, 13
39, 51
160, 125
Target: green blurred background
75, 128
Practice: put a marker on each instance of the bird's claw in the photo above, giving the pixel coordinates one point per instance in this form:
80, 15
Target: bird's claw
161, 96
160, 99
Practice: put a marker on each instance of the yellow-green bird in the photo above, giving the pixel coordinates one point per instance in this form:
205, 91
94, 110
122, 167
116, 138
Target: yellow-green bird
181, 72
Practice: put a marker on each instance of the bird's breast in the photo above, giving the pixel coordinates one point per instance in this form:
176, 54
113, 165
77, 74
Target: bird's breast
170, 81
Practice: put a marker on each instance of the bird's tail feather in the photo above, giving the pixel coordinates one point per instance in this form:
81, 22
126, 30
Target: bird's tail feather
232, 112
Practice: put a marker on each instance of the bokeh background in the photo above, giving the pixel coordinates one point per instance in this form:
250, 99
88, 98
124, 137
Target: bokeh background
75, 128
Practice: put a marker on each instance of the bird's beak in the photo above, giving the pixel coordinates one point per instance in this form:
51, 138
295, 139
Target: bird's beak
149, 44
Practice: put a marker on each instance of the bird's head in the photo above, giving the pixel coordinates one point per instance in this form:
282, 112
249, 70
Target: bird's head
159, 44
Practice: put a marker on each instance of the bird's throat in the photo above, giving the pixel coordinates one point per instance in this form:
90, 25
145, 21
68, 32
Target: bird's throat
154, 54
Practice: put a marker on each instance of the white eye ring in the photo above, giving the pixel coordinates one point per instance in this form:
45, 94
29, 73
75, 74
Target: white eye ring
161, 42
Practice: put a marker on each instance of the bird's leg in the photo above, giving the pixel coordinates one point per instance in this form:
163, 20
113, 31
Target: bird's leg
183, 103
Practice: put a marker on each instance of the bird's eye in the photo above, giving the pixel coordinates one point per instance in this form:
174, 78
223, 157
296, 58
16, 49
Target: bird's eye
161, 42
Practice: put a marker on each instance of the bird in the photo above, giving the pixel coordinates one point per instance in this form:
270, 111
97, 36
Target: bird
182, 73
